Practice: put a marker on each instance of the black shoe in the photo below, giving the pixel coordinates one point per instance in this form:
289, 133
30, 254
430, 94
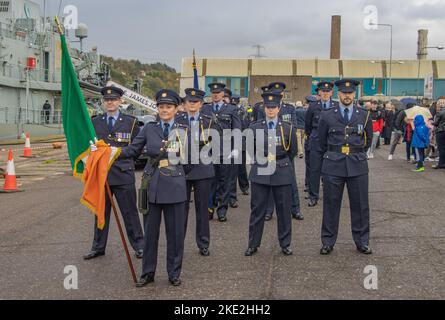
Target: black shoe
222, 219
326, 250
268, 217
93, 254
175, 282
250, 251
143, 281
312, 202
438, 167
233, 204
298, 216
287, 251
364, 249
204, 252
139, 254
245, 192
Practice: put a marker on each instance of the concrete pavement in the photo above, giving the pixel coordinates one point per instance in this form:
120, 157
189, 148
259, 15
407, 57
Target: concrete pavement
45, 228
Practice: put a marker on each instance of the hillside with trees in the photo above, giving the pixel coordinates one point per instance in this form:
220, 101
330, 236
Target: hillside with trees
154, 76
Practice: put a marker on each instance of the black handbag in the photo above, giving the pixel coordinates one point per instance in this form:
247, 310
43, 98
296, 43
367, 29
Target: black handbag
145, 183
143, 194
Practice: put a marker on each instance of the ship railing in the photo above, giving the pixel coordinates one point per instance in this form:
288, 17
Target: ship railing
18, 72
36, 116
16, 33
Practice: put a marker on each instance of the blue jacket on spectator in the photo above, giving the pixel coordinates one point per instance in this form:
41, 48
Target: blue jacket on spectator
421, 136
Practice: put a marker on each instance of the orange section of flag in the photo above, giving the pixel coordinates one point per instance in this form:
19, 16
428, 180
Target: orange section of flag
95, 176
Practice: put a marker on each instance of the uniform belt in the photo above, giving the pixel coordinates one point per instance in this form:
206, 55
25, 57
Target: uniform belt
345, 149
164, 163
280, 157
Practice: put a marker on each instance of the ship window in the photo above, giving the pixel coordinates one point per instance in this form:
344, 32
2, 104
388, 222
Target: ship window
4, 6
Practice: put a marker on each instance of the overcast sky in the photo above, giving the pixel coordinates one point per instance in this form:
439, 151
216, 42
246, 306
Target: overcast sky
168, 30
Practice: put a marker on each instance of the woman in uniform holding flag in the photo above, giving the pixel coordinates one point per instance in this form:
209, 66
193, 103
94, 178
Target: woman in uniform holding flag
167, 187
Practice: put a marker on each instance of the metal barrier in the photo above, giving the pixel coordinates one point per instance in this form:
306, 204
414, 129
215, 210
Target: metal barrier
22, 115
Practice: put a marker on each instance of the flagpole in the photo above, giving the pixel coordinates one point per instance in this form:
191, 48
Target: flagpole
110, 196
119, 226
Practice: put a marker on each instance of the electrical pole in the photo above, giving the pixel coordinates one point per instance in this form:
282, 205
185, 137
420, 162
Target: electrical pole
258, 48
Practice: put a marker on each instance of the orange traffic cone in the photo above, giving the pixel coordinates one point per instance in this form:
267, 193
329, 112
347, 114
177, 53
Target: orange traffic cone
10, 179
27, 152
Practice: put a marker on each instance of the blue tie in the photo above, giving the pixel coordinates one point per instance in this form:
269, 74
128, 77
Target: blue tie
217, 107
110, 123
192, 120
346, 115
271, 125
324, 106
166, 130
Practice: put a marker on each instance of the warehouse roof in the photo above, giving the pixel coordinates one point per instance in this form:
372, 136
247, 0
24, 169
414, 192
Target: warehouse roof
237, 67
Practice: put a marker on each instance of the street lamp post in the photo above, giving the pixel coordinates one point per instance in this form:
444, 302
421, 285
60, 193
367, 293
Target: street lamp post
418, 66
390, 56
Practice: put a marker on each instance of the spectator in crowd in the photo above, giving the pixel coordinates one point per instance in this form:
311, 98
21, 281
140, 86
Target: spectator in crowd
420, 140
439, 129
377, 125
389, 118
407, 137
431, 153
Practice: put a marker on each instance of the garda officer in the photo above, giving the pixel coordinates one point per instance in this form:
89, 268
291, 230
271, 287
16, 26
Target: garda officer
243, 180
279, 182
240, 169
118, 130
345, 133
258, 107
201, 175
325, 90
286, 113
227, 96
167, 188
233, 201
309, 100
228, 119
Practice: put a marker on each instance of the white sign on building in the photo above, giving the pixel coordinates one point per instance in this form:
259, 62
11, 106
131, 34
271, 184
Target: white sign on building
428, 86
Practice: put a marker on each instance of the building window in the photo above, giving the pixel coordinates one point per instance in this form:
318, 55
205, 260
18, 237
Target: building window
4, 6
243, 89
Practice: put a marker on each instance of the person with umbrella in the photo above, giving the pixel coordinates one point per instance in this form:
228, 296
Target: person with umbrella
398, 127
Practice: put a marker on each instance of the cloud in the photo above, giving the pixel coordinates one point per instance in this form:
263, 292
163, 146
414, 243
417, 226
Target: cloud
168, 30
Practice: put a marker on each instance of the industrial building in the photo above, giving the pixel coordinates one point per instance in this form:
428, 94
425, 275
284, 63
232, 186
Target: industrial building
382, 78
246, 76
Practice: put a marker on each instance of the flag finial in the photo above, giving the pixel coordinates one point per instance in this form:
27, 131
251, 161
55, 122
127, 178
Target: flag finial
59, 25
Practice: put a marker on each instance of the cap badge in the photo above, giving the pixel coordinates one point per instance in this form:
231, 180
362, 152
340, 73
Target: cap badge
326, 85
347, 84
193, 93
215, 86
270, 98
277, 86
164, 95
109, 91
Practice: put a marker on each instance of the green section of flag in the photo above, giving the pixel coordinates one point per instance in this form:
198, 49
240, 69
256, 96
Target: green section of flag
79, 130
